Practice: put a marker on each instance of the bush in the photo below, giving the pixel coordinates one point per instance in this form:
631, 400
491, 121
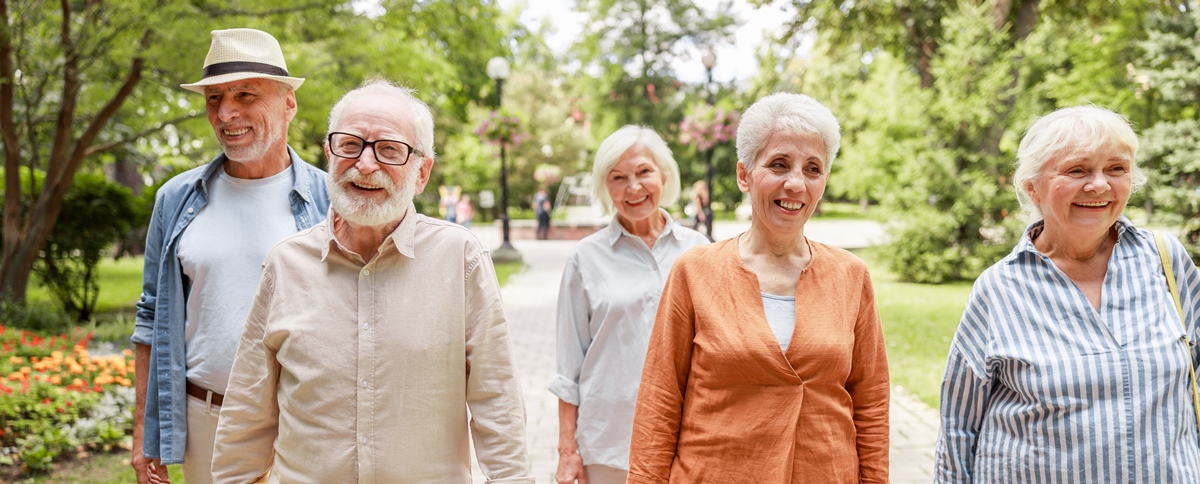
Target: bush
33, 317
95, 213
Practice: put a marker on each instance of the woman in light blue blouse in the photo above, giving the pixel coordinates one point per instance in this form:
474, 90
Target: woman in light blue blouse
1071, 363
607, 302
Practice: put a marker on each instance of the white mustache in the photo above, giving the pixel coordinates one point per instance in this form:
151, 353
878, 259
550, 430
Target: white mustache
375, 179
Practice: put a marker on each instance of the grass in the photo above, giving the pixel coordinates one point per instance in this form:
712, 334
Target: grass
919, 321
120, 286
104, 468
507, 269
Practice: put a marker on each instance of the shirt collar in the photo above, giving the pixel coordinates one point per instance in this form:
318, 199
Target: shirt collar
403, 238
614, 230
301, 185
1123, 224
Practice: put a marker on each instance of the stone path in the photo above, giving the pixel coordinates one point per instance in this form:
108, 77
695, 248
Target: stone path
530, 297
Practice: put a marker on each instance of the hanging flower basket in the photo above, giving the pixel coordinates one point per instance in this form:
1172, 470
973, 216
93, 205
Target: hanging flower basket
707, 125
502, 127
546, 174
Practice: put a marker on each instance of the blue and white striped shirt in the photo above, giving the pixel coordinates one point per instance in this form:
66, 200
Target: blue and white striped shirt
1041, 387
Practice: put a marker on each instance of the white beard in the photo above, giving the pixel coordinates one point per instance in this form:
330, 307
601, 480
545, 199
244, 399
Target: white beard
369, 213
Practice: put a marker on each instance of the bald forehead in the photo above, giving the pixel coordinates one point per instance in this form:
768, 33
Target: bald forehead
379, 110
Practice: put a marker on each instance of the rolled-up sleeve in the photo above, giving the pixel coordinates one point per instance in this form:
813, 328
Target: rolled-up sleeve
143, 330
657, 418
249, 420
869, 389
493, 391
574, 333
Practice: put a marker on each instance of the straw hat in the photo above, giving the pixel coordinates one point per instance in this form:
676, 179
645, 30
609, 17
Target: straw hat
237, 54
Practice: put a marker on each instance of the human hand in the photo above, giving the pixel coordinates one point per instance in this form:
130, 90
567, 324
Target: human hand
570, 469
149, 471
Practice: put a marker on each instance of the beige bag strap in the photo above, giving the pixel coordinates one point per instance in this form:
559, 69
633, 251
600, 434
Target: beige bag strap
1187, 345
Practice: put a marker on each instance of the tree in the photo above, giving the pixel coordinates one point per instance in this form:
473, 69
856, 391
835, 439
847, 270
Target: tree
1171, 64
633, 43
67, 79
82, 78
943, 164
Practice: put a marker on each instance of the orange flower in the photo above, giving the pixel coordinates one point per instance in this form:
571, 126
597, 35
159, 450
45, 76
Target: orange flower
16, 360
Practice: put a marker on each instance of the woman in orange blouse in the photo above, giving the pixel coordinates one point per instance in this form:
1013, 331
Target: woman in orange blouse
766, 362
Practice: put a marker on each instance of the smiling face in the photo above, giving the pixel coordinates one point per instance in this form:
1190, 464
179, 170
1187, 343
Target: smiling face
1083, 192
635, 185
785, 181
364, 191
250, 118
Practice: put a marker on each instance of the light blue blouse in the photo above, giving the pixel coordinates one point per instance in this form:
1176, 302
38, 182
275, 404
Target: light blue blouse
606, 305
1041, 387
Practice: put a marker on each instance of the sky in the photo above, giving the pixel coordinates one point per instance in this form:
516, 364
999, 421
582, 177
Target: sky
736, 61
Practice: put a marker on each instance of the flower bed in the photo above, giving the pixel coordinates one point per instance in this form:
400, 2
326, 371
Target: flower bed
56, 399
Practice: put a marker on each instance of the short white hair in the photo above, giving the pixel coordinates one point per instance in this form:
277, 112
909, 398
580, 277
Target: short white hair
1079, 128
422, 117
621, 141
786, 112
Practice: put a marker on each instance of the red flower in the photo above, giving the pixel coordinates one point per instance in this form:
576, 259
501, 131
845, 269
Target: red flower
46, 401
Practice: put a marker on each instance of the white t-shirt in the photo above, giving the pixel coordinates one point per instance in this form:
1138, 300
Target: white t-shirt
781, 315
221, 252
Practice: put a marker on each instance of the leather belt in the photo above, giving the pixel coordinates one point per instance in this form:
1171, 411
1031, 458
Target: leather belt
203, 394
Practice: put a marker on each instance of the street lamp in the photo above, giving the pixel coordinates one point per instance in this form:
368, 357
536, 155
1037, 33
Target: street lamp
497, 68
709, 58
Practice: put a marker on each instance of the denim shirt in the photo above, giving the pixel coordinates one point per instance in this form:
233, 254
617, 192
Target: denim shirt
161, 309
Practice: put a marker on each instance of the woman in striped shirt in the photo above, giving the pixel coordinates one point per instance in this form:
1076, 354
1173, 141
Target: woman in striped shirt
1071, 363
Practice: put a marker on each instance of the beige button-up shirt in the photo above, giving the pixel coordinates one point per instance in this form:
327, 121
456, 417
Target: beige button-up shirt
364, 371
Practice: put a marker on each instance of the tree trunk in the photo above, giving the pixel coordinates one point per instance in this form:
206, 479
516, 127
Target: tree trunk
22, 244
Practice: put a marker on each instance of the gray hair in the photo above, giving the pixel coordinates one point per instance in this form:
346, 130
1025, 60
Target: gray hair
790, 113
422, 117
1083, 128
616, 144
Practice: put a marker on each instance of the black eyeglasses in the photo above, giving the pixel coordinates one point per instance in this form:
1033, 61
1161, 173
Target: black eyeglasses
388, 152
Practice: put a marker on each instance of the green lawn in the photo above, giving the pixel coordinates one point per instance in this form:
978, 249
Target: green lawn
120, 286
104, 468
918, 323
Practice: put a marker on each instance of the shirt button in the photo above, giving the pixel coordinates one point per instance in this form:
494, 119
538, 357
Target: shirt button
364, 383
366, 325
363, 440
366, 272
190, 210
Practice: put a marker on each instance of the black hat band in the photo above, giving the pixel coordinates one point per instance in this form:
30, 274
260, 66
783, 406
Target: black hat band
238, 67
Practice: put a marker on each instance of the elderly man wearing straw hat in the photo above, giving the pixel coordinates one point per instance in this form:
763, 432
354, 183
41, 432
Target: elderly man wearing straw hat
210, 231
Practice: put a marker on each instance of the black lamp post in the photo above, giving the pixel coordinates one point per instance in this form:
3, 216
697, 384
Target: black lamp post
709, 58
497, 68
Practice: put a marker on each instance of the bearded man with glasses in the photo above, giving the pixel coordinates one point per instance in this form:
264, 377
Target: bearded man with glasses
374, 332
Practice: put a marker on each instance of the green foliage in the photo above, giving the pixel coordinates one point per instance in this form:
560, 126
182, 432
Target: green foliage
35, 317
1171, 64
95, 213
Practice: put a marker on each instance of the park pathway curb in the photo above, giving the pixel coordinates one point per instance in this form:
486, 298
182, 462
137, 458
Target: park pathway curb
530, 297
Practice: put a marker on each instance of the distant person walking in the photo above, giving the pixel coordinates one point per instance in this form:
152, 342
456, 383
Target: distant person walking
448, 202
541, 208
464, 211
700, 204
607, 302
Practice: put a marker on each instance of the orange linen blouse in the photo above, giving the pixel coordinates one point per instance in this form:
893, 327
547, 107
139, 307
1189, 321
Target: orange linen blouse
721, 402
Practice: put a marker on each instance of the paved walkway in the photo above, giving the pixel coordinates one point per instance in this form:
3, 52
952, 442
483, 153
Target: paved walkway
530, 297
